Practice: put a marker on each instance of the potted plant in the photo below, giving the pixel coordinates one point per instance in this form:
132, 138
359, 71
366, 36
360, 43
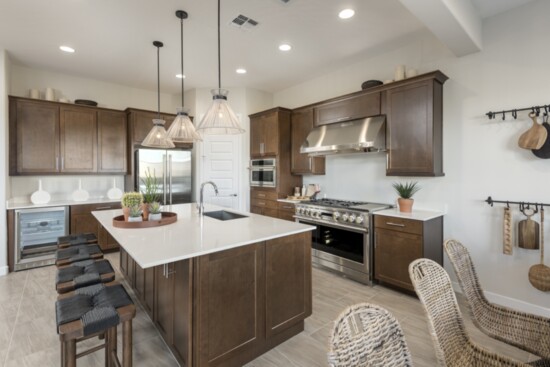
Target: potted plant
406, 191
130, 199
135, 214
151, 192
154, 211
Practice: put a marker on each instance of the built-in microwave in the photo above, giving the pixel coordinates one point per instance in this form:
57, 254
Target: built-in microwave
263, 172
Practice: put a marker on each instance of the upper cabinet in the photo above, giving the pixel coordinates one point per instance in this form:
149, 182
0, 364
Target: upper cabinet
53, 138
346, 108
141, 122
300, 163
414, 136
264, 131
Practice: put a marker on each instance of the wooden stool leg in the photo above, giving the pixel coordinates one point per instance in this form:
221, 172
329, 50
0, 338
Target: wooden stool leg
127, 343
70, 353
110, 347
62, 354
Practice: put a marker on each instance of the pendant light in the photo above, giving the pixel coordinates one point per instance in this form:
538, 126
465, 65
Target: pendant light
220, 118
157, 137
182, 129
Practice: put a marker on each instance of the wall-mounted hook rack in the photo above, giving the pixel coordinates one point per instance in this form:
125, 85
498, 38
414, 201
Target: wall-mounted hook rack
522, 204
514, 112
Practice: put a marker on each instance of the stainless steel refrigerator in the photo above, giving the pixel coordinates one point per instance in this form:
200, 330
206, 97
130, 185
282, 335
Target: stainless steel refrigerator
172, 168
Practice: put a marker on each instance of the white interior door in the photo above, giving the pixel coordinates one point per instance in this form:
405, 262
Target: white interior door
220, 163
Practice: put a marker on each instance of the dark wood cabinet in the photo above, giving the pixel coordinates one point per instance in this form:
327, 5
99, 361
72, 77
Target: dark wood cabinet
286, 211
111, 142
399, 241
164, 301
264, 132
300, 163
183, 315
414, 111
83, 221
350, 107
264, 202
58, 138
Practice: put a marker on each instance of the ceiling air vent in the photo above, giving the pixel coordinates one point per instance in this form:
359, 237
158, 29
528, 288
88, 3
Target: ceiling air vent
244, 22
284, 1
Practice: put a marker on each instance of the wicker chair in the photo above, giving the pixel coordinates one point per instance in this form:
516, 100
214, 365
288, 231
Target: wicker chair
453, 346
368, 335
525, 331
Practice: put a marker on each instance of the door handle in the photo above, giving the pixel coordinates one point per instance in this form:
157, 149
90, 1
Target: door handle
395, 224
164, 179
62, 163
170, 175
233, 195
102, 207
57, 163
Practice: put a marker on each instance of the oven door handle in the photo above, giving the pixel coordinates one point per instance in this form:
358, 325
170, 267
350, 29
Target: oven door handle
331, 224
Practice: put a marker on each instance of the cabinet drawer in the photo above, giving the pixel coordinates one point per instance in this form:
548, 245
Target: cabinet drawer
287, 207
264, 203
265, 195
398, 224
88, 208
349, 108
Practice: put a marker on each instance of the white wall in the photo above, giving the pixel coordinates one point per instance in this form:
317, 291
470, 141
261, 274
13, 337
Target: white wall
4, 184
481, 157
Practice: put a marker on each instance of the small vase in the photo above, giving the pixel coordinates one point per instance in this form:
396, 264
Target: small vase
145, 211
135, 219
157, 216
126, 212
405, 205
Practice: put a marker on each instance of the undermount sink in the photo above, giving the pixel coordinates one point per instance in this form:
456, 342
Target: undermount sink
223, 215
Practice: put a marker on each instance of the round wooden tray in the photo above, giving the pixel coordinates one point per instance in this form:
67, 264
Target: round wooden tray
167, 218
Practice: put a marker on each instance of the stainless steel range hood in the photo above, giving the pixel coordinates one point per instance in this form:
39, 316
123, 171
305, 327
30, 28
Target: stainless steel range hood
356, 136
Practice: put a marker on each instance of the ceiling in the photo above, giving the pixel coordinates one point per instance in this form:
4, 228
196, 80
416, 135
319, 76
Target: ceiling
113, 38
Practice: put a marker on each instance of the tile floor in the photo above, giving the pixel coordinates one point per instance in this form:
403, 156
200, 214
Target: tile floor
28, 338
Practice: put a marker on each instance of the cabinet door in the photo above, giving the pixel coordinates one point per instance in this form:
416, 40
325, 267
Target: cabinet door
271, 133
256, 137
105, 240
123, 262
393, 252
149, 293
78, 139
164, 301
83, 223
139, 282
413, 136
288, 275
37, 144
302, 123
183, 317
142, 123
111, 143
348, 108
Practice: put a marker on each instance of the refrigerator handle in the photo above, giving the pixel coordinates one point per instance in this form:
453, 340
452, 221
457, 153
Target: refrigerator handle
170, 175
164, 178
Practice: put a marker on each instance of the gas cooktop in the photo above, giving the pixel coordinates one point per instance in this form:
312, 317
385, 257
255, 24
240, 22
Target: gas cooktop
346, 204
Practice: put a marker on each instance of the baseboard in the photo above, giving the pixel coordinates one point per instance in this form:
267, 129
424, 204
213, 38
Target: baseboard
3, 271
511, 302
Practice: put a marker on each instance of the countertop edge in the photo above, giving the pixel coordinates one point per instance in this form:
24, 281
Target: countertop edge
421, 215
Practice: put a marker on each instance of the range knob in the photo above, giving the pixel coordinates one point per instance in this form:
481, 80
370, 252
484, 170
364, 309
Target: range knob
335, 215
359, 219
308, 211
318, 214
345, 217
298, 210
352, 218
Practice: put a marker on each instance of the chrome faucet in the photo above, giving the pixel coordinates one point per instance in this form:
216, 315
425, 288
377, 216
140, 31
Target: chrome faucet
200, 205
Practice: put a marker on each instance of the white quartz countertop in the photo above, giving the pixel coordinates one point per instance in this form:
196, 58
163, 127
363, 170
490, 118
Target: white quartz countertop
192, 235
422, 215
11, 204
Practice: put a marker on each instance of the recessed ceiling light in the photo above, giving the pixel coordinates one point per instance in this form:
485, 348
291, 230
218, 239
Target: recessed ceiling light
66, 49
241, 71
346, 13
285, 47
180, 76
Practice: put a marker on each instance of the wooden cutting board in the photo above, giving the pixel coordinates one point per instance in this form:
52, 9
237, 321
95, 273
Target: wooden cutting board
529, 234
535, 137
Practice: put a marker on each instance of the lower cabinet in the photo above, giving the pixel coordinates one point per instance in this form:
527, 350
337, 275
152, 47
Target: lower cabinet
83, 221
286, 211
264, 202
400, 241
229, 307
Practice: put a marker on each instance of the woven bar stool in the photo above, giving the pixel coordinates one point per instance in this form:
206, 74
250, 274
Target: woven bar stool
66, 256
83, 273
91, 311
76, 239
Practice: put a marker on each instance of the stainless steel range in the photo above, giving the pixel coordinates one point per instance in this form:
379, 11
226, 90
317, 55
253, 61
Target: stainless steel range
342, 239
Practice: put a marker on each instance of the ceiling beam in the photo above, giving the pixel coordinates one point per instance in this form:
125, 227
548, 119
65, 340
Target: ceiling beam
455, 22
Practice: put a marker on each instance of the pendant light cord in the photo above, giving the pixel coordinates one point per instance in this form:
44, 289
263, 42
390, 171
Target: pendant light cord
219, 51
182, 76
158, 82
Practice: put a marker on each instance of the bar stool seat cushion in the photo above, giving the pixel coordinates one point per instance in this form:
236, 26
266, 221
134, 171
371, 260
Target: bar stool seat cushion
77, 239
84, 273
77, 253
95, 306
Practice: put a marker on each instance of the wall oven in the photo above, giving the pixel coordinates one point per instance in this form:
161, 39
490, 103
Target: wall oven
36, 232
263, 172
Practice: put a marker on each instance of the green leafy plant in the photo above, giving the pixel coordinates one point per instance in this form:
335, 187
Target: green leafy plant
151, 192
130, 199
406, 190
135, 211
154, 207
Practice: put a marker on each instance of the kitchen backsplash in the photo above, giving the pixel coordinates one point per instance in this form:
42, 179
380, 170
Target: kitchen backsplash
62, 187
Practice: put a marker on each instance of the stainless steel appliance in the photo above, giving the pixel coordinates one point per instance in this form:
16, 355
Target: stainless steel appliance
342, 240
263, 172
172, 168
36, 232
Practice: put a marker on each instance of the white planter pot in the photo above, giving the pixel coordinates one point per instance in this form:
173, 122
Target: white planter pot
157, 216
135, 219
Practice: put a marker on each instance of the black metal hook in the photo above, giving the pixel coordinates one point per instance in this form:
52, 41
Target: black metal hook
515, 114
537, 109
508, 204
503, 116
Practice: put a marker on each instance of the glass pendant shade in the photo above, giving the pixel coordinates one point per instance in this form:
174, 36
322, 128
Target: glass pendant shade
157, 137
220, 118
182, 129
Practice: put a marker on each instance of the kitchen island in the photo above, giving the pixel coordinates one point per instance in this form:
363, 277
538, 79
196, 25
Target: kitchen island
221, 293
